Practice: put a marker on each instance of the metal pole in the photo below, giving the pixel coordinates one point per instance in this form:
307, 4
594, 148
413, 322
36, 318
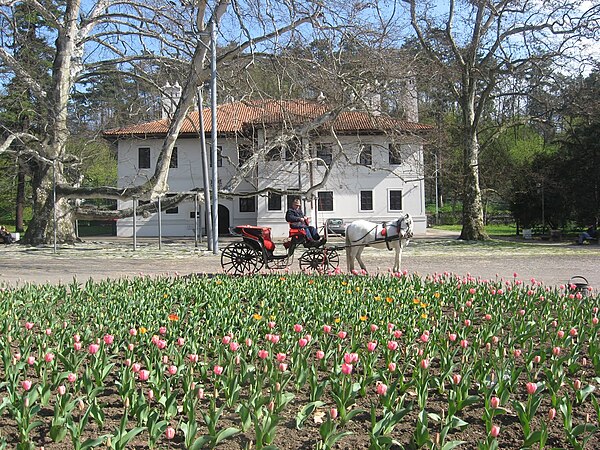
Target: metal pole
213, 106
196, 218
159, 223
437, 195
543, 212
205, 174
54, 200
134, 224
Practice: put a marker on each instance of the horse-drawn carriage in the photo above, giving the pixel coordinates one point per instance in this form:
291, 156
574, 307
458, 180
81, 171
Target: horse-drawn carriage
257, 249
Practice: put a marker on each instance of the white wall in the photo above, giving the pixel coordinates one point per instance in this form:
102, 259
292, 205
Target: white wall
346, 180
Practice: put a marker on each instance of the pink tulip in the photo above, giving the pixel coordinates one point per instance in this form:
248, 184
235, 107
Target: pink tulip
165, 359
551, 413
62, 389
248, 342
302, 342
28, 325
560, 334
263, 354
162, 330
392, 367
342, 335
282, 367
26, 385
109, 339
495, 340
193, 357
326, 329
537, 359
180, 342
132, 332
594, 321
424, 364
488, 317
371, 346
577, 384
275, 338
93, 349
161, 344
298, 328
531, 388
573, 332
150, 394
127, 362
392, 345
424, 337
136, 367
495, 431
48, 331
48, 357
382, 389
200, 394
71, 378
218, 370
494, 402
517, 353
226, 340
234, 346
143, 375
77, 346
374, 328
346, 369
556, 351
170, 433
333, 413
320, 354
452, 337
398, 334
467, 323
350, 358
280, 357
456, 378
31, 360
172, 370
464, 343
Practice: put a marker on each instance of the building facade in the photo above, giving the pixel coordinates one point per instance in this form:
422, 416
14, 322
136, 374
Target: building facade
352, 165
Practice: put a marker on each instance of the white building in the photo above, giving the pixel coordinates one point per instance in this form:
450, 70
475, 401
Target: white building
375, 162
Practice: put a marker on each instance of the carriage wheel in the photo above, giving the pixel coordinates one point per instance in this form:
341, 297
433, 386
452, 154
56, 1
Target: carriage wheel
241, 259
319, 259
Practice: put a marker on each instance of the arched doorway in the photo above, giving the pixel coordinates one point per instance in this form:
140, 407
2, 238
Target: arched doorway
223, 220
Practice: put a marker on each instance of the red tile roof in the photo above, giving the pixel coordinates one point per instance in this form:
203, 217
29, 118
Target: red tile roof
237, 116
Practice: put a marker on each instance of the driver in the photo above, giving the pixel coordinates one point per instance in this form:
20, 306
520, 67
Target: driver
296, 218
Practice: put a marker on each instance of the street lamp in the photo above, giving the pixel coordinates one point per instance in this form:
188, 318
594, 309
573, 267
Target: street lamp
540, 187
437, 196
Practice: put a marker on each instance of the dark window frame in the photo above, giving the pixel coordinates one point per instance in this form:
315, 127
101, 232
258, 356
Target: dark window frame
325, 200
369, 200
247, 204
325, 152
174, 163
394, 155
365, 157
273, 200
174, 209
144, 158
393, 206
246, 151
219, 156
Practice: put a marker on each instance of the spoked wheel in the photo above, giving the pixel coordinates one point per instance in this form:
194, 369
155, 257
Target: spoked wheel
241, 259
319, 260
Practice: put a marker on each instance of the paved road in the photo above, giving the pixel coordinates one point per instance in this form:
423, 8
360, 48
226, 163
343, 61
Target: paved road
101, 258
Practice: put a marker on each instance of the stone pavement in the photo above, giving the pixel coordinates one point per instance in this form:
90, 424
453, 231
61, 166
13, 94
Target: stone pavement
439, 251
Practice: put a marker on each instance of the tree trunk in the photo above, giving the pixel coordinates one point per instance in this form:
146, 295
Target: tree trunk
20, 199
41, 227
472, 226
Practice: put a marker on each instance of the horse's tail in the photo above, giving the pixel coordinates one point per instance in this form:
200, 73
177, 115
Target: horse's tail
348, 251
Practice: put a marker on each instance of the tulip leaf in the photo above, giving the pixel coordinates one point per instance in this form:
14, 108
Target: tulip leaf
305, 413
452, 444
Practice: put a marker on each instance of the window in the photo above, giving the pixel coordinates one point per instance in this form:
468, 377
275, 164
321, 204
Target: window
174, 159
175, 209
394, 154
274, 154
326, 201
325, 153
366, 200
395, 200
366, 156
290, 200
274, 202
193, 213
248, 204
219, 156
144, 157
293, 150
244, 153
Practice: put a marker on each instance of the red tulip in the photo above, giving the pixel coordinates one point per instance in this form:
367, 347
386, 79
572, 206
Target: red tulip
495, 431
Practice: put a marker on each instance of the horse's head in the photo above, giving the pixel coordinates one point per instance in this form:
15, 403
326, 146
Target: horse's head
405, 226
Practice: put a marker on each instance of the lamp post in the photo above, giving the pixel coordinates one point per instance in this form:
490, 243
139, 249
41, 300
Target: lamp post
213, 107
541, 191
437, 196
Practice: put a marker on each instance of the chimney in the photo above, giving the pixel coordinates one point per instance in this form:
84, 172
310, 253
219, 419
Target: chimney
409, 100
170, 99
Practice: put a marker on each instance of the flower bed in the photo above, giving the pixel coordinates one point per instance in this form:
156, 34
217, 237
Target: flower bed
300, 362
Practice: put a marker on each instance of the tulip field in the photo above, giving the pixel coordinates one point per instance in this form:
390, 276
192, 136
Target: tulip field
295, 361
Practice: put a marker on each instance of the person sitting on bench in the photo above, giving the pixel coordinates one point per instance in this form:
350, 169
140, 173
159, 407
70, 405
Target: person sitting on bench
590, 234
5, 236
296, 218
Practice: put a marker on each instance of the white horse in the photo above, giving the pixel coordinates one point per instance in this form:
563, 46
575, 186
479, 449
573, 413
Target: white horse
392, 235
